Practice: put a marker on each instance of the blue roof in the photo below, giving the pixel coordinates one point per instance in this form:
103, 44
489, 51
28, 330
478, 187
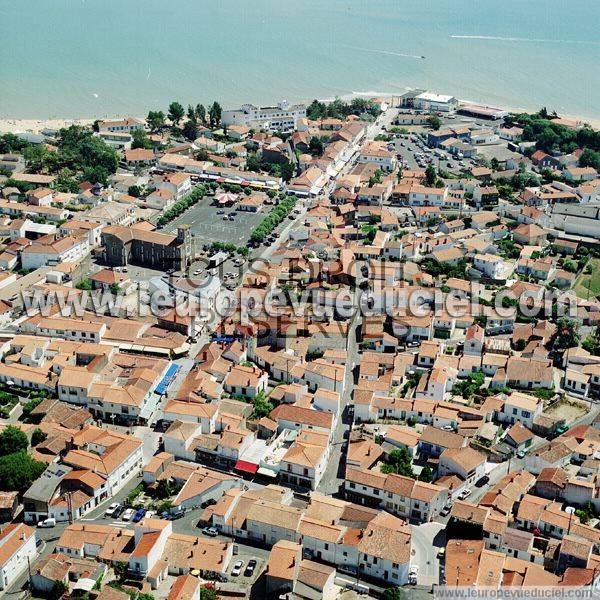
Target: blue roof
166, 381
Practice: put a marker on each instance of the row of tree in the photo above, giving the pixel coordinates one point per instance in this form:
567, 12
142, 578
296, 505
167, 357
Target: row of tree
196, 116
180, 207
339, 109
269, 223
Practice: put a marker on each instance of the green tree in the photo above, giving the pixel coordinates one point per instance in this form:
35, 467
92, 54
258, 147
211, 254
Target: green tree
399, 461
58, 590
214, 114
369, 231
78, 149
114, 288
65, 182
120, 569
567, 335
84, 284
287, 171
201, 113
134, 191
165, 489
262, 407
191, 114
208, 593
202, 155
95, 174
375, 178
592, 342
12, 439
394, 593
430, 175
316, 110
28, 408
9, 143
434, 122
141, 139
18, 471
190, 130
316, 146
37, 437
520, 345
426, 474
590, 158
155, 120
176, 112
35, 157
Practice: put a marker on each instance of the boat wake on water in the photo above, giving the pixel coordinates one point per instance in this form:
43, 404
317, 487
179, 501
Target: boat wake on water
388, 52
494, 38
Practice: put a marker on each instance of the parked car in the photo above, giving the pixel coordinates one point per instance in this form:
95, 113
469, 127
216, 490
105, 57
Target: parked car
465, 494
250, 568
128, 514
521, 453
210, 531
482, 481
441, 552
220, 212
150, 514
139, 515
445, 511
412, 575
47, 523
237, 568
110, 511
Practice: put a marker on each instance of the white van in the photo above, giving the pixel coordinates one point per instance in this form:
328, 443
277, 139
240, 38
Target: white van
46, 523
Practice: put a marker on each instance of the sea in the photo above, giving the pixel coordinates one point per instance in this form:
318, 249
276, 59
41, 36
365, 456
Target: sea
97, 58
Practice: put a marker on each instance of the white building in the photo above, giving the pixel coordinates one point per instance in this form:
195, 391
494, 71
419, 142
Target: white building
489, 264
64, 250
377, 154
17, 549
282, 117
431, 102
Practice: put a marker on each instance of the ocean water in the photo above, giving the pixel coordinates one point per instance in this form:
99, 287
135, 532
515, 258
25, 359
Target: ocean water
94, 58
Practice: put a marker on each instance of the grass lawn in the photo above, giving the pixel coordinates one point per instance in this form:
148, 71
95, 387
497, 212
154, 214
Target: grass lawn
588, 285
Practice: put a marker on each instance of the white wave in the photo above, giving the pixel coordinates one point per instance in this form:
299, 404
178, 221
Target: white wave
495, 38
388, 52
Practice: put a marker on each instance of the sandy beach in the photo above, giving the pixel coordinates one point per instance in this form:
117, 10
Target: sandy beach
37, 125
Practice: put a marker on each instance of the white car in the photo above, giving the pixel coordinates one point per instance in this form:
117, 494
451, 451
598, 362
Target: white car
149, 514
128, 514
412, 574
465, 494
237, 568
110, 511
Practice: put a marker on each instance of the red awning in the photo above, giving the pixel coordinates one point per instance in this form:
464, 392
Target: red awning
246, 467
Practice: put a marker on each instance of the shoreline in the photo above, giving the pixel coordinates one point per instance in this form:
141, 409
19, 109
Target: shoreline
14, 125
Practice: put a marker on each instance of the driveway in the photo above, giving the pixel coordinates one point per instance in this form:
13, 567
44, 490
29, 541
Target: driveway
427, 539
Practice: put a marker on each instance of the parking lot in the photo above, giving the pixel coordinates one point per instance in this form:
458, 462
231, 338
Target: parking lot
416, 155
207, 225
